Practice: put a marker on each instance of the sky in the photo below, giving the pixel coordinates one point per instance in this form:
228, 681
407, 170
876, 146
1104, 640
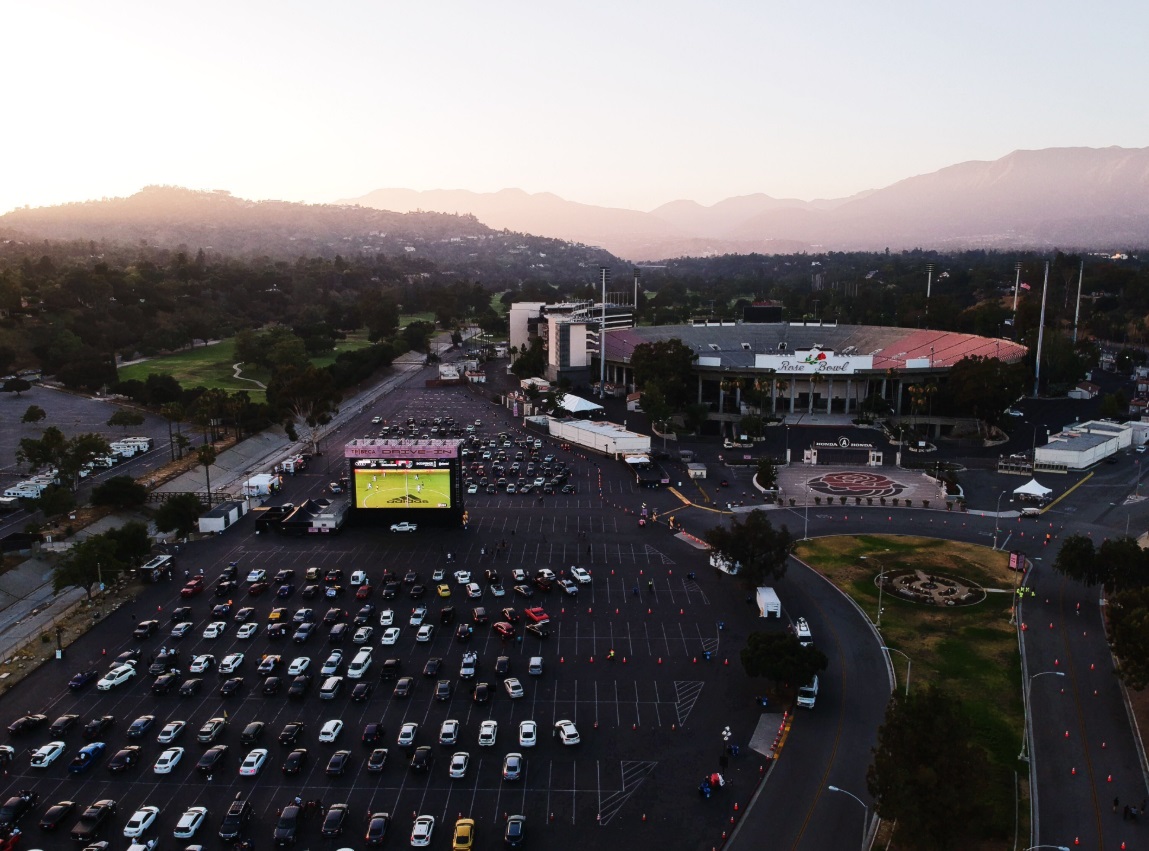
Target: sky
624, 103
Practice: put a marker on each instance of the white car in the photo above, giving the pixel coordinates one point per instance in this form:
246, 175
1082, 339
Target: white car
449, 732
168, 760
257, 575
528, 734
387, 617
407, 734
580, 575
248, 630
474, 591
390, 635
488, 732
181, 629
190, 822
545, 573
418, 615
253, 763
437, 574
462, 576
425, 632
140, 821
117, 676
330, 730
567, 732
47, 754
215, 629
201, 663
331, 666
519, 575
403, 527
498, 590
363, 635
171, 732
472, 489
513, 686
230, 662
298, 665
459, 764
421, 832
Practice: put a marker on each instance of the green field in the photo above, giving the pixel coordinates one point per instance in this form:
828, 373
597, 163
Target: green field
211, 366
376, 488
971, 651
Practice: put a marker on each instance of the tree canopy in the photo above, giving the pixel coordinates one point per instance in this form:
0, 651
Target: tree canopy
666, 364
90, 561
66, 454
782, 658
1129, 635
1118, 564
179, 514
929, 775
755, 544
120, 492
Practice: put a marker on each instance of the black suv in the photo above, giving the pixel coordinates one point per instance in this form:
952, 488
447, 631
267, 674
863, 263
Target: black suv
238, 815
287, 827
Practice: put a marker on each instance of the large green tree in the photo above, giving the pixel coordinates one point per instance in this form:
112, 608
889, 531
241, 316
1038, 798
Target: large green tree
755, 544
120, 492
1129, 635
180, 514
983, 387
66, 454
928, 774
1118, 564
34, 414
305, 400
125, 419
667, 364
132, 542
90, 561
782, 658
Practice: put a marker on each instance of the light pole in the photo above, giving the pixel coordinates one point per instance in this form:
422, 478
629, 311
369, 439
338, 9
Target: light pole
880, 589
1024, 755
865, 808
725, 739
806, 526
997, 518
909, 665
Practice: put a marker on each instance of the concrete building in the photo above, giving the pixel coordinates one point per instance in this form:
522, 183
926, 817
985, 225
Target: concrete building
569, 332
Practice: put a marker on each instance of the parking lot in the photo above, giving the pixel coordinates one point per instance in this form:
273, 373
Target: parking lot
636, 660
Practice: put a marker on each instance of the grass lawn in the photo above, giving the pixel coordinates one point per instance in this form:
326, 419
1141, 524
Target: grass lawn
406, 319
211, 366
972, 651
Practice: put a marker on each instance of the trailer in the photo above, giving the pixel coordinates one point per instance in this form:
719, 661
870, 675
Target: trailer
768, 603
263, 484
602, 437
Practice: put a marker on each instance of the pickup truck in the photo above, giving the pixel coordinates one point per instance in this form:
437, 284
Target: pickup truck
403, 527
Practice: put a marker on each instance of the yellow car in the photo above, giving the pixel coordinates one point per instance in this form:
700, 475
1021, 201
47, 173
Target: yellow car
464, 834
444, 590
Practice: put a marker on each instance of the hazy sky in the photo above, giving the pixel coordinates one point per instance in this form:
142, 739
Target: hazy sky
619, 103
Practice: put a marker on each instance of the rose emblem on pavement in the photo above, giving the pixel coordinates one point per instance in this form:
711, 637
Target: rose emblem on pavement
856, 483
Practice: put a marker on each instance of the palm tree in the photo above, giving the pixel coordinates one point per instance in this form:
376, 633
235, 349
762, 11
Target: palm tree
206, 456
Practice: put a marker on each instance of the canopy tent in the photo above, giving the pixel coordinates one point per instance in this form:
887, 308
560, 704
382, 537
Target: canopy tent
1032, 488
578, 405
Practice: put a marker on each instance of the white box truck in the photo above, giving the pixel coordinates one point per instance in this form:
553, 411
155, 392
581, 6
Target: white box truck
769, 606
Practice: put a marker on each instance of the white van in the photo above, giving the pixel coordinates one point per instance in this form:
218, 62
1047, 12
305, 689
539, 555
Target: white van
802, 630
808, 694
535, 666
359, 577
359, 664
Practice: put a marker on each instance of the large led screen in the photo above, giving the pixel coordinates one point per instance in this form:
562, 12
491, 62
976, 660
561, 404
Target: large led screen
402, 483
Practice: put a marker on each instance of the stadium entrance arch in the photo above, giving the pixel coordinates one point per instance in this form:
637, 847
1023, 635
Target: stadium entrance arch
844, 452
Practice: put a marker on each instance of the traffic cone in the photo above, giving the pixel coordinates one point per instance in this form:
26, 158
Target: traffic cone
681, 612
725, 661
1091, 666
644, 818
735, 806
562, 659
1056, 662
592, 659
1109, 779
1067, 734
695, 660
624, 660
1073, 771
660, 660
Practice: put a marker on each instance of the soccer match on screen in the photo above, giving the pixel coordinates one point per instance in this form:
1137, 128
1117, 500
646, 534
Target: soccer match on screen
401, 484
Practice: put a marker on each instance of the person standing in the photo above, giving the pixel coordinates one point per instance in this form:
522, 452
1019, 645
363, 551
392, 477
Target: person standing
1116, 803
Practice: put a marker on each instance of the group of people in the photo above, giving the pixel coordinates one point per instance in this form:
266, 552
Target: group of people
1133, 813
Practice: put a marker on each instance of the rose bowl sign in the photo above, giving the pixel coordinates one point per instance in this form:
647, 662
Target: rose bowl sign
813, 361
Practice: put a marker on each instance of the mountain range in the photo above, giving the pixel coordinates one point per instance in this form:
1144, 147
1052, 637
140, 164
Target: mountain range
1067, 198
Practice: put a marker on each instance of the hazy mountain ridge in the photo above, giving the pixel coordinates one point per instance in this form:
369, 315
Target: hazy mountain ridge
174, 216
1075, 198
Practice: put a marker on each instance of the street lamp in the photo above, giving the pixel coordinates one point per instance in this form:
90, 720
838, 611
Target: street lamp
997, 518
880, 589
725, 739
865, 808
1024, 756
806, 526
909, 665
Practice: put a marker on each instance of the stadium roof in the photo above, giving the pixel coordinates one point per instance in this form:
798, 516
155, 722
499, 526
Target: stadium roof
736, 344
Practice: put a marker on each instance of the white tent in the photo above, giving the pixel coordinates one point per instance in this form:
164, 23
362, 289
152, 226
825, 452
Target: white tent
578, 405
1032, 488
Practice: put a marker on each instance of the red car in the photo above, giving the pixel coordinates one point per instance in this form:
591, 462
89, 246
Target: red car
536, 614
364, 592
504, 629
257, 588
191, 589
